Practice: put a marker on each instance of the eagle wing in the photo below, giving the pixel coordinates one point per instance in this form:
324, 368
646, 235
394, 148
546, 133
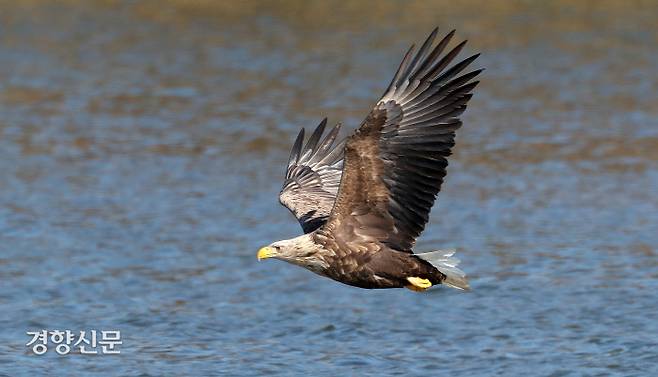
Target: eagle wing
313, 176
396, 161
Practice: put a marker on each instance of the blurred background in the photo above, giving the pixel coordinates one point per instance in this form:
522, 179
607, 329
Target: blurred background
142, 148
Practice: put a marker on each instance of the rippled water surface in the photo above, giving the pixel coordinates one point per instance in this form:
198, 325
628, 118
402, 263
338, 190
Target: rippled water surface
142, 146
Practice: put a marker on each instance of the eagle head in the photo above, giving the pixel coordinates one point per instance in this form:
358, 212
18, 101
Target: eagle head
301, 251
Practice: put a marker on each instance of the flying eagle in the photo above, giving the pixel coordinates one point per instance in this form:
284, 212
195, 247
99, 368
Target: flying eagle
363, 201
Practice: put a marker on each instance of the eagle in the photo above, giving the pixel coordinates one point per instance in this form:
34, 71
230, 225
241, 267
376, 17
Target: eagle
363, 201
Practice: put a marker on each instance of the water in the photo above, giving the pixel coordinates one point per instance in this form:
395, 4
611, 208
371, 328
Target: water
142, 147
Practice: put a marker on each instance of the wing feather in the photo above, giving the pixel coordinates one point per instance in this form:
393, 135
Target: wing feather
394, 164
313, 176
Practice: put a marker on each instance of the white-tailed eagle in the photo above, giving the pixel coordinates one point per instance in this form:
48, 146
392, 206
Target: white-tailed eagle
362, 202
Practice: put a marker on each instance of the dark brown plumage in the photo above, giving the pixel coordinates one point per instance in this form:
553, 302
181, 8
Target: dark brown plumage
393, 168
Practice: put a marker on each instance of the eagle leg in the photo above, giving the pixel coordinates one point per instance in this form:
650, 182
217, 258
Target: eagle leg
418, 284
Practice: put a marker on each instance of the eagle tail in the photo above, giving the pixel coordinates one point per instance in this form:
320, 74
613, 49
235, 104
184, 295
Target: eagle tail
446, 263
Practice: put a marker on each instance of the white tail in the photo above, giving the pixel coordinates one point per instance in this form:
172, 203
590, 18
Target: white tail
444, 261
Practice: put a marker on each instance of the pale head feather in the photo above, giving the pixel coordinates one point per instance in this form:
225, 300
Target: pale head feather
301, 251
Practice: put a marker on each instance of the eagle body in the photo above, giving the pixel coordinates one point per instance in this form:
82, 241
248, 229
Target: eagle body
374, 266
363, 201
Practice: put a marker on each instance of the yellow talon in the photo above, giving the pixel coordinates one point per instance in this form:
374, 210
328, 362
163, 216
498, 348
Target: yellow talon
418, 284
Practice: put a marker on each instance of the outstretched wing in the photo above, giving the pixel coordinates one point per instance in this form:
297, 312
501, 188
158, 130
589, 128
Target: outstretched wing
396, 161
313, 176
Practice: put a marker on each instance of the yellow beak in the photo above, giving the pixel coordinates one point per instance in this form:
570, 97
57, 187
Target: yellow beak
265, 252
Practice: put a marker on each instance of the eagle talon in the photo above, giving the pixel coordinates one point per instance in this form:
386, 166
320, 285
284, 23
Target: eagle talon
418, 284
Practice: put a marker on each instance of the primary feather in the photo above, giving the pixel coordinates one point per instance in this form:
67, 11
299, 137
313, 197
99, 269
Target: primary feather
313, 176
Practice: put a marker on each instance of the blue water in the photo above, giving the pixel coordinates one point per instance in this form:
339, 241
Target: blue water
142, 147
